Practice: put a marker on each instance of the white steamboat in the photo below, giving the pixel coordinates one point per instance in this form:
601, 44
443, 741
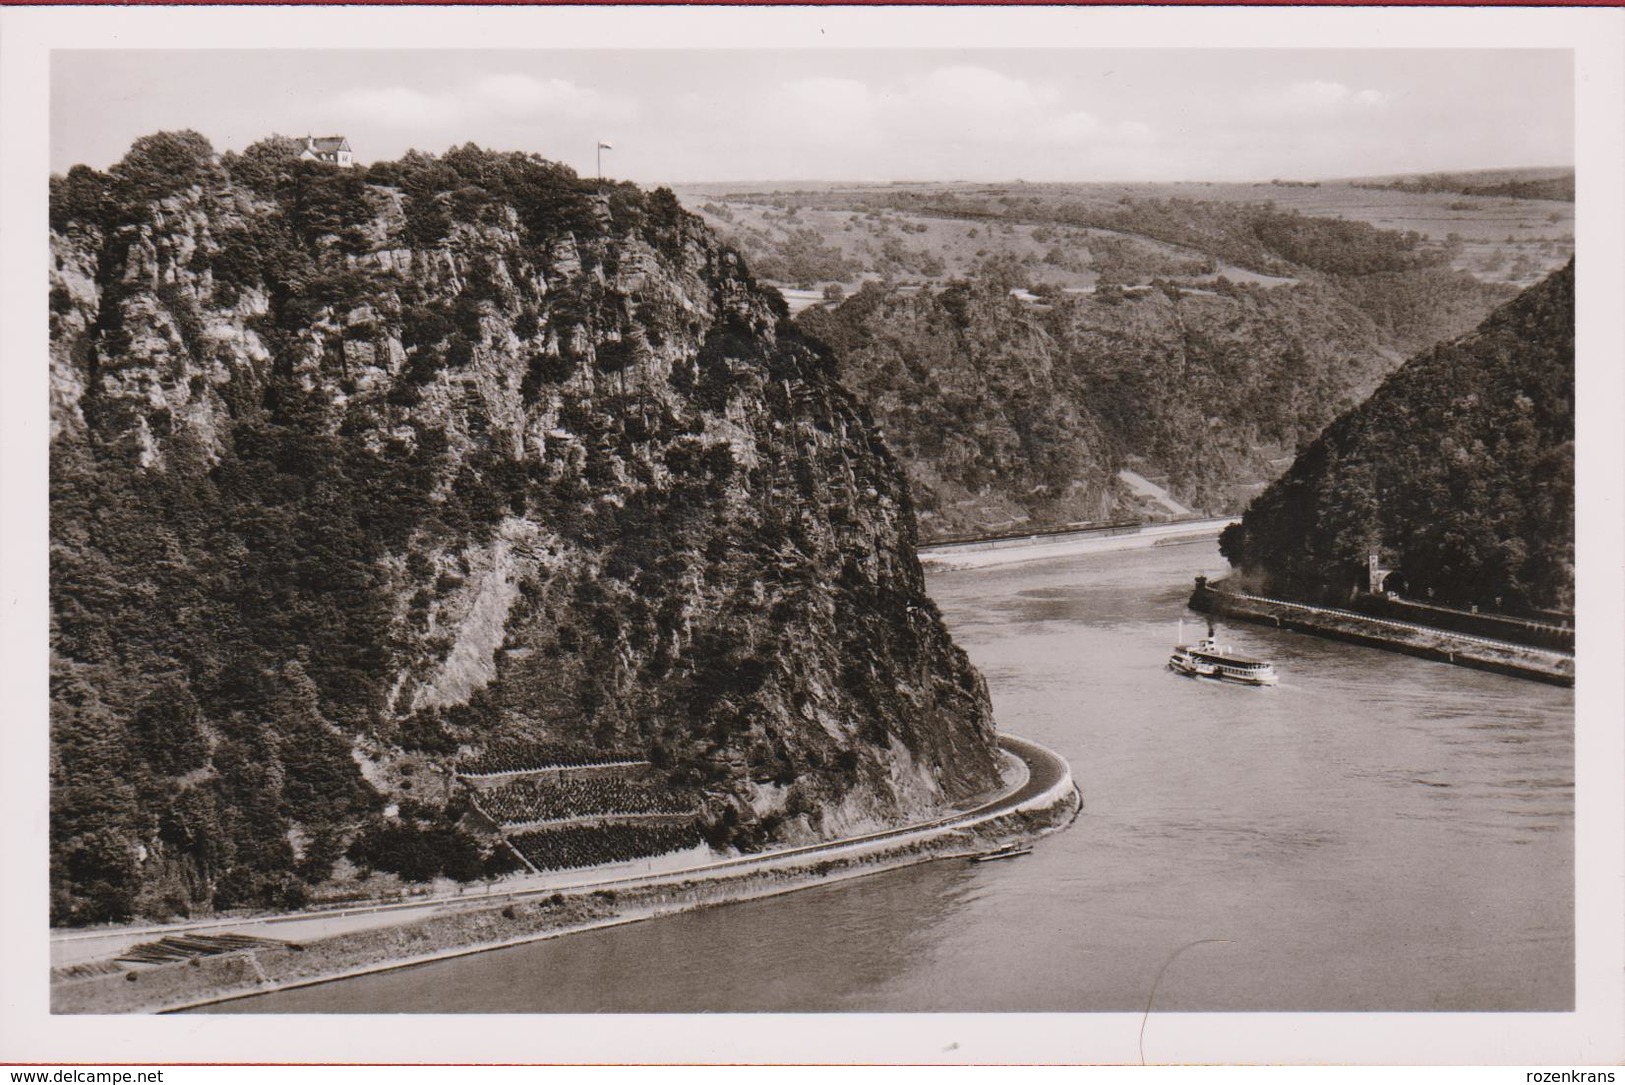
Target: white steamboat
1207, 658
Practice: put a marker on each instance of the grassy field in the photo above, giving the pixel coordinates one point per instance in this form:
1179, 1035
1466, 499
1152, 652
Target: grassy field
1504, 239
809, 236
932, 248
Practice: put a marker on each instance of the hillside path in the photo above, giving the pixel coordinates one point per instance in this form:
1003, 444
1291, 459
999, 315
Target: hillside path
1144, 487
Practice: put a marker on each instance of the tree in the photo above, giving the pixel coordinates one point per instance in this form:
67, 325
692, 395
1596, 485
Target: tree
81, 197
164, 164
168, 729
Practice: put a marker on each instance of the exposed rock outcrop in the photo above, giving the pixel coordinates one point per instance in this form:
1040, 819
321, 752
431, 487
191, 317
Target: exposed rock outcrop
403, 461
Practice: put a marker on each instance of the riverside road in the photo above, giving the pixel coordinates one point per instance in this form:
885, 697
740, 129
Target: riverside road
1042, 772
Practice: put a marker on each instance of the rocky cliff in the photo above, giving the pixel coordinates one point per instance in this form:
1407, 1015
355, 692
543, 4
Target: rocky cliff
1005, 412
1458, 473
359, 472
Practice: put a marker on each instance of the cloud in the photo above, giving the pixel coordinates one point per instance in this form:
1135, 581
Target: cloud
1072, 127
953, 120
993, 108
397, 106
981, 92
1084, 129
958, 102
502, 96
522, 97
963, 103
825, 108
1315, 97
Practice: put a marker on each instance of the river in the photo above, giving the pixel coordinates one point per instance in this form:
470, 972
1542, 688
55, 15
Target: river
1376, 833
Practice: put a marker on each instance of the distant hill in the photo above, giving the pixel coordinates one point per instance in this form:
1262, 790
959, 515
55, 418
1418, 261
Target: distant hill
1524, 184
1458, 471
1005, 412
1073, 235
1194, 334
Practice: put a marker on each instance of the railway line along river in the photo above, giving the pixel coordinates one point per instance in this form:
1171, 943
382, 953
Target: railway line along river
1377, 833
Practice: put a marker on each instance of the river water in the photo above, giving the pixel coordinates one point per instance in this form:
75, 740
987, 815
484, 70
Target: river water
1376, 833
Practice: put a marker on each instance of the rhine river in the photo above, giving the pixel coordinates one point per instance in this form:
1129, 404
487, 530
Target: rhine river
1376, 833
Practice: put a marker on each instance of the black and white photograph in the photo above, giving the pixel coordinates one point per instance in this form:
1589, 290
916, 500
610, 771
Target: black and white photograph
873, 519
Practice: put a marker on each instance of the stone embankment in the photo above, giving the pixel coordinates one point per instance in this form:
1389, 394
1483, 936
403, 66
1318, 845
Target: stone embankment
1041, 797
1410, 638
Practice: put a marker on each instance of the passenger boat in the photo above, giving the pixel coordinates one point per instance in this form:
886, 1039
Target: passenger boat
1011, 851
1207, 658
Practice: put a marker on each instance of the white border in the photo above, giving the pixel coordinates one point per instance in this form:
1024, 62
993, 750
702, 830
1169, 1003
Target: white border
1594, 1034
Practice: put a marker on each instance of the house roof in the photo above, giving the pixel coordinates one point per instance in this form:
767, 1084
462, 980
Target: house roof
327, 143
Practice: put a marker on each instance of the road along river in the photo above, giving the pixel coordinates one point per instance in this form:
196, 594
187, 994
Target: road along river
1376, 833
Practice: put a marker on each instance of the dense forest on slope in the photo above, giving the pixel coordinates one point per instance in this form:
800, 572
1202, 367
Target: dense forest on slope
971, 394
355, 472
1458, 472
1005, 412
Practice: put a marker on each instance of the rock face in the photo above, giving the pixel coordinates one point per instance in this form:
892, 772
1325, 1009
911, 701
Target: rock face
1008, 413
1458, 473
355, 472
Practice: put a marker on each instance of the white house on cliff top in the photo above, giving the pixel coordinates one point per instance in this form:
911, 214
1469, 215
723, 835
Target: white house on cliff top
334, 150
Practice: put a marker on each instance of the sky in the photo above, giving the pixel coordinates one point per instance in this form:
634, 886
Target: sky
689, 115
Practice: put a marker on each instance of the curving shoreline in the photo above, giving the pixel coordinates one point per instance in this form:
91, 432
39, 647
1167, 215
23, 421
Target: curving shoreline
1017, 550
1044, 799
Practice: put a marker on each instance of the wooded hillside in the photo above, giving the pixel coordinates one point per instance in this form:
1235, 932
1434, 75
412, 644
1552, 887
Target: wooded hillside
1458, 472
357, 473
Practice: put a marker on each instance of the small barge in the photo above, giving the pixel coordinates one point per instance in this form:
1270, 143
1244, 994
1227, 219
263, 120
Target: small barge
1011, 852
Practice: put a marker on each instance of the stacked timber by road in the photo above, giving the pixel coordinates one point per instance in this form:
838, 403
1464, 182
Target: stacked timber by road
1411, 638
